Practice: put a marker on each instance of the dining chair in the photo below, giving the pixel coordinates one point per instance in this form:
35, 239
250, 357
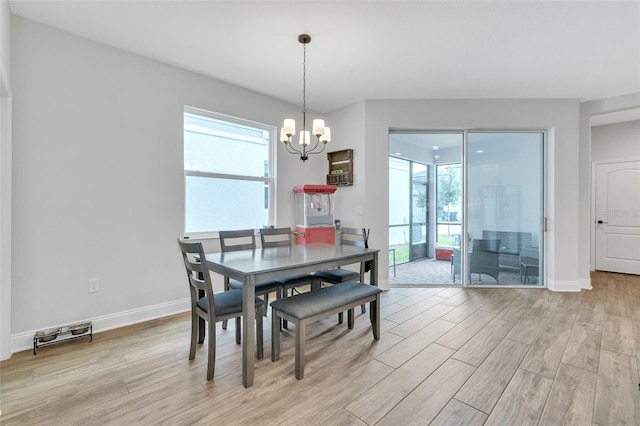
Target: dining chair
281, 237
349, 237
208, 307
245, 239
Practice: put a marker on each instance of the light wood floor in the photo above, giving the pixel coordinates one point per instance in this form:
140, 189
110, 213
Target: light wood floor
447, 356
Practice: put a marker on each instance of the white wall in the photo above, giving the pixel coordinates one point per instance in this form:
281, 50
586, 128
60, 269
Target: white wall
5, 180
98, 178
559, 117
346, 129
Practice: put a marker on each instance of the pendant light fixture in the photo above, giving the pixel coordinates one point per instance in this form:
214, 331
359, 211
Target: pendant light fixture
322, 133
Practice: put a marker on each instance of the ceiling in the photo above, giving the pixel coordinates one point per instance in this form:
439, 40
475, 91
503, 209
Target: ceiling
375, 49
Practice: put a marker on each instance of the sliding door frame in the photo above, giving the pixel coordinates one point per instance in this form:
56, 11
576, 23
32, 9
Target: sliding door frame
465, 211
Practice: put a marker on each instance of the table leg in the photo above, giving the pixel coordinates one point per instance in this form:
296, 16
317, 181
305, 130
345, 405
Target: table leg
248, 330
373, 274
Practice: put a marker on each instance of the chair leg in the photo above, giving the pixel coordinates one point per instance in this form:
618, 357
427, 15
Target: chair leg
200, 325
226, 288
194, 334
362, 307
372, 315
340, 318
259, 332
211, 363
315, 284
238, 330
283, 292
377, 310
350, 318
201, 329
300, 346
374, 306
275, 336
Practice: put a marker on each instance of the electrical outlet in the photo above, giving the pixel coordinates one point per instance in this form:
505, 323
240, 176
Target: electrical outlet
94, 285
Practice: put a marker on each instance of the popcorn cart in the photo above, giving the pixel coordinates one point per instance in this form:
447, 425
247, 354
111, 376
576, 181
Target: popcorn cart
314, 205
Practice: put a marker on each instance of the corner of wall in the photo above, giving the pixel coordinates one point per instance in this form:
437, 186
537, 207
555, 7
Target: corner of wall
6, 143
559, 286
585, 283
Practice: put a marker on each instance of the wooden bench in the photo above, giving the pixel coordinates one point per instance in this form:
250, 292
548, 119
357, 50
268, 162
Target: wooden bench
314, 305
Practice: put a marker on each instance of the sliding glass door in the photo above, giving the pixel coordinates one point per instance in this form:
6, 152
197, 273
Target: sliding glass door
468, 205
506, 211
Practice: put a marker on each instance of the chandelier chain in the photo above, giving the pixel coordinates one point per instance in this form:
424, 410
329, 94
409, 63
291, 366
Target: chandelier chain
304, 90
304, 78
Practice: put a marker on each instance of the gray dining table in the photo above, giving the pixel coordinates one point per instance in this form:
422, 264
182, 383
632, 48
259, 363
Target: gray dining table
264, 264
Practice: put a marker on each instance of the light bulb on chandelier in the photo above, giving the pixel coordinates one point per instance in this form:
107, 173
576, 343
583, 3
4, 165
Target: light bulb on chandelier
322, 133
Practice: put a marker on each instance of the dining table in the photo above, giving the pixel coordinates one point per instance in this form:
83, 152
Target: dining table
265, 264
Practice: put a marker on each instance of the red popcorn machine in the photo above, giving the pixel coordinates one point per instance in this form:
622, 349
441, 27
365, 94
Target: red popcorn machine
314, 205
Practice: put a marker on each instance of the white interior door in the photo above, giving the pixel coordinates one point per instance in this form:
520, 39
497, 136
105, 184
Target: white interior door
618, 217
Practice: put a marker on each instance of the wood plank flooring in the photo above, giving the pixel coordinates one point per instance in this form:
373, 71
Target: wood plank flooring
447, 356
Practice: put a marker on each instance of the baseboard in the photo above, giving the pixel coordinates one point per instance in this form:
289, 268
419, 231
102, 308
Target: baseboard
24, 341
563, 285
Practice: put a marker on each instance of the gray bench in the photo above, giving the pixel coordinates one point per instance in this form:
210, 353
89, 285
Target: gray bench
314, 305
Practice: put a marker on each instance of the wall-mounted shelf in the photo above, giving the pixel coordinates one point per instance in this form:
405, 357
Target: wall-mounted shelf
340, 168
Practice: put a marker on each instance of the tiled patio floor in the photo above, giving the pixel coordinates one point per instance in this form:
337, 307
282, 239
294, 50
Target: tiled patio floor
438, 272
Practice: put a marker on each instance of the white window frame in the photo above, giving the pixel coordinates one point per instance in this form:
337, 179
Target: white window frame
270, 180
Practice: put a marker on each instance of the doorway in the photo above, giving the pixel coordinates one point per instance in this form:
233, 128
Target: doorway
425, 204
409, 209
618, 217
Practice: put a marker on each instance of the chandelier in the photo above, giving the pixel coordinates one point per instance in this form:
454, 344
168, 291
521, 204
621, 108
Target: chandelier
322, 133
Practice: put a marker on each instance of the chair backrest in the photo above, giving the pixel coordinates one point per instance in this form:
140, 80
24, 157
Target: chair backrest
278, 237
244, 239
485, 262
530, 252
353, 237
197, 273
487, 245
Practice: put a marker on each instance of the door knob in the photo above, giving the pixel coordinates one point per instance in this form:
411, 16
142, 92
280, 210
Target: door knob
600, 222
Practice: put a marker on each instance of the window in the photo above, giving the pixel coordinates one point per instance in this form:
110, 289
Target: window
228, 173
